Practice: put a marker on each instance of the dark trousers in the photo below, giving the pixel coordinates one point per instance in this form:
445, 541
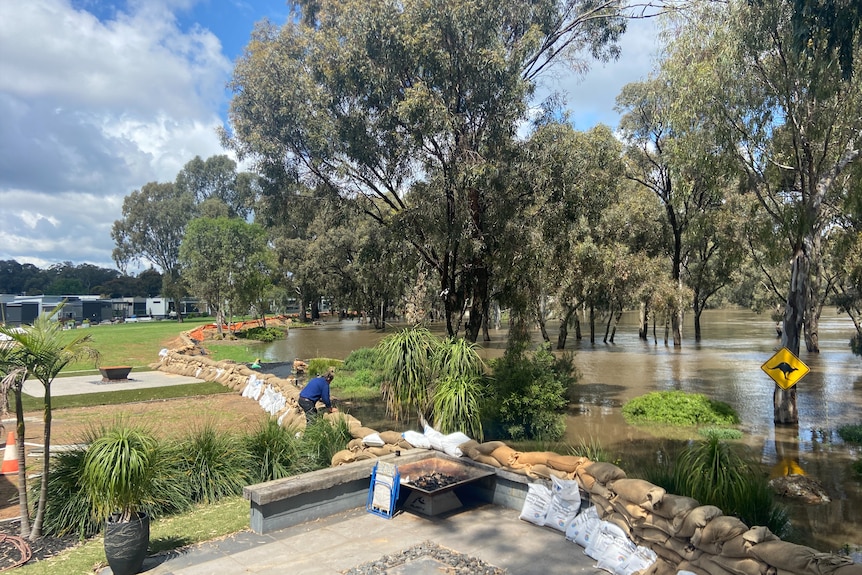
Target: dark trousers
309, 407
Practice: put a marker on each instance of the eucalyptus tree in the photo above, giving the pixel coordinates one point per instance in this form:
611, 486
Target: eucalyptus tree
217, 177
42, 350
671, 151
216, 255
383, 98
792, 120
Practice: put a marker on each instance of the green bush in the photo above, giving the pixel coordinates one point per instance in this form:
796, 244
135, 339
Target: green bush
68, 508
678, 408
213, 464
530, 392
320, 441
364, 358
274, 451
856, 466
264, 334
851, 433
320, 365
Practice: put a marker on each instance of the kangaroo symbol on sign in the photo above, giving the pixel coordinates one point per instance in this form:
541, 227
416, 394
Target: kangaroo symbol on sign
785, 368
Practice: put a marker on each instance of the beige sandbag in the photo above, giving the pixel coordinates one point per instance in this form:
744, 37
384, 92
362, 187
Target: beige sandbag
855, 569
533, 457
682, 548
634, 514
487, 460
644, 534
567, 463
585, 480
706, 563
797, 558
342, 457
504, 454
739, 545
381, 451
391, 437
638, 491
620, 521
364, 455
468, 448
697, 517
601, 491
488, 447
739, 566
538, 471
659, 522
661, 566
689, 566
361, 431
666, 553
355, 444
605, 472
670, 506
713, 535
603, 506
404, 444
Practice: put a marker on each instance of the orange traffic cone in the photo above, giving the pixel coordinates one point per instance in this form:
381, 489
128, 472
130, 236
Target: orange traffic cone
10, 458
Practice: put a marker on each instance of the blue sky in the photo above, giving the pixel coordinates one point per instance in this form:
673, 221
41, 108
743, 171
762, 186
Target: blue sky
99, 97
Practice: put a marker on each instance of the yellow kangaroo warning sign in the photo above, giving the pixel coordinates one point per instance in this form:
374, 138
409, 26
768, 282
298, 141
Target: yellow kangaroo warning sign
785, 368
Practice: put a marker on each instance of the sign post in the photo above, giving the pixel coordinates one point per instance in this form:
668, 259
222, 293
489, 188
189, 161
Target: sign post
785, 368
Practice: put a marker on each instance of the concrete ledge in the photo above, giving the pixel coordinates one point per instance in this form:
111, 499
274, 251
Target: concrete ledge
293, 500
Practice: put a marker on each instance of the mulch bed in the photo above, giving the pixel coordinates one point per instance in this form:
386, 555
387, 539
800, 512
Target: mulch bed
13, 549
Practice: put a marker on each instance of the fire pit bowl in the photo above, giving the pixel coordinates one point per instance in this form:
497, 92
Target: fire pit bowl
444, 473
115, 372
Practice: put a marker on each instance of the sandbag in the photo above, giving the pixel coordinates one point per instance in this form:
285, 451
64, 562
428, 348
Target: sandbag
713, 535
605, 472
706, 563
536, 504
416, 439
659, 522
567, 463
583, 527
688, 566
738, 566
373, 440
682, 548
355, 444
739, 545
538, 471
504, 455
697, 517
488, 447
638, 491
533, 457
386, 449
634, 514
797, 558
451, 443
392, 437
661, 566
643, 534
610, 541
361, 431
435, 437
342, 457
638, 562
671, 506
469, 448
566, 489
561, 513
666, 553
487, 460
602, 505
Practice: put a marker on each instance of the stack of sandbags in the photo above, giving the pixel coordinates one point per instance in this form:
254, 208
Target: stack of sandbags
368, 443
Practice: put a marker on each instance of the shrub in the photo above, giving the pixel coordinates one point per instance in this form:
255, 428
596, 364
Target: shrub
322, 439
678, 408
68, 508
213, 464
456, 403
530, 393
594, 451
273, 449
320, 365
362, 358
359, 382
851, 433
264, 334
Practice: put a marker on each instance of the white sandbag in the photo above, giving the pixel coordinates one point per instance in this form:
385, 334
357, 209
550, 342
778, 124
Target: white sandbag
416, 439
607, 534
583, 528
640, 560
434, 437
283, 415
450, 443
536, 504
566, 489
561, 512
615, 553
373, 440
278, 403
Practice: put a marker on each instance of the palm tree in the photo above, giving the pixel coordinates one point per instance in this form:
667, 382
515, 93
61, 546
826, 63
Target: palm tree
43, 350
13, 379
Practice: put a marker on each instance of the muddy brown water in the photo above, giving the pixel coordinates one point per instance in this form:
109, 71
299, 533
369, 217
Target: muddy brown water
725, 366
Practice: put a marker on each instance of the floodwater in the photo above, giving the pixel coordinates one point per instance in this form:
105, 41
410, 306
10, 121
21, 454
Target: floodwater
724, 366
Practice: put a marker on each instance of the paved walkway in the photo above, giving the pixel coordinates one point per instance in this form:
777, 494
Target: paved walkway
355, 538
93, 383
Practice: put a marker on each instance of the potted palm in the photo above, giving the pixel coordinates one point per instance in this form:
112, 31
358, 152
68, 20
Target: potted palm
119, 476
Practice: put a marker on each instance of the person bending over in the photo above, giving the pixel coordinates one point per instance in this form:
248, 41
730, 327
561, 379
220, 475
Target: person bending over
317, 389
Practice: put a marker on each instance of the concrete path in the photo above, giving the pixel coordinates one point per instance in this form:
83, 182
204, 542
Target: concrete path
347, 540
93, 383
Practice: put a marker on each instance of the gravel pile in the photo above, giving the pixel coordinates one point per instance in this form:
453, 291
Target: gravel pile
458, 563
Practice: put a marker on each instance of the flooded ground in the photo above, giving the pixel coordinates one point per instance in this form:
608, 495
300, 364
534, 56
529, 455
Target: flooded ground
724, 366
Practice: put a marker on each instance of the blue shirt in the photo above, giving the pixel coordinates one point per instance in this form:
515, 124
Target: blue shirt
317, 389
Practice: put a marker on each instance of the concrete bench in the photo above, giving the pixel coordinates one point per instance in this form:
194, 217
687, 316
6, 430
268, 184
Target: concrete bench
297, 499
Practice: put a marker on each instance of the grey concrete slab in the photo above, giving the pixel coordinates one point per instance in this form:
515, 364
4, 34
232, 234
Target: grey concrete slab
80, 384
340, 542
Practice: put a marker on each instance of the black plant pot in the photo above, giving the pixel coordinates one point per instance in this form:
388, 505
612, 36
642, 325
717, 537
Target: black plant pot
126, 543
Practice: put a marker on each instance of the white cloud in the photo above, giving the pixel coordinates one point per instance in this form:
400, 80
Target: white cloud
93, 109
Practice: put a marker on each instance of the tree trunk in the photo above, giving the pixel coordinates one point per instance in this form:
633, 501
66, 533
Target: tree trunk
608, 324
592, 324
23, 506
616, 323
784, 401
36, 531
564, 327
643, 321
698, 309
